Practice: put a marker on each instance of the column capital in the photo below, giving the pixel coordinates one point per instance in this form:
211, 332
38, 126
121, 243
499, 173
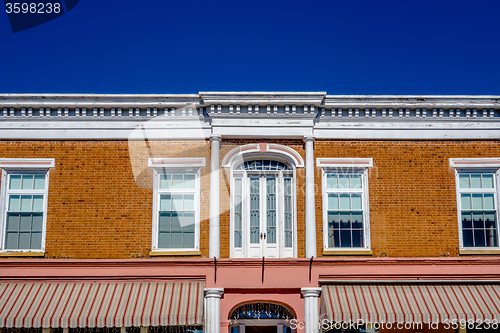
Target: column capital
309, 138
214, 137
311, 291
214, 292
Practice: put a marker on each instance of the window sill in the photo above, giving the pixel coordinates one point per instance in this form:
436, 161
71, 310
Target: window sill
21, 254
478, 252
362, 252
174, 253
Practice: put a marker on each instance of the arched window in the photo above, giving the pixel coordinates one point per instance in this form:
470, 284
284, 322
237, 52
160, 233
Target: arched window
263, 210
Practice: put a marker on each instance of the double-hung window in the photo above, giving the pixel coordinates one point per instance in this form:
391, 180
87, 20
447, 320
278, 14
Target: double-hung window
24, 204
345, 203
176, 217
477, 197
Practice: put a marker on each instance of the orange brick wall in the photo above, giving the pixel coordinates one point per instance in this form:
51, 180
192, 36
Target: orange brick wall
96, 207
100, 199
412, 194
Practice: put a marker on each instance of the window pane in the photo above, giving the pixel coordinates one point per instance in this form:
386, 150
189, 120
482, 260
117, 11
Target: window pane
26, 203
345, 220
356, 201
357, 220
177, 182
176, 240
25, 224
165, 181
188, 221
37, 203
491, 237
165, 202
477, 201
345, 238
189, 202
333, 201
11, 240
357, 238
333, 220
466, 220
13, 222
356, 181
288, 238
189, 182
164, 222
14, 201
24, 240
37, 222
176, 222
464, 181
479, 239
164, 240
36, 240
488, 201
336, 238
188, 240
468, 239
489, 220
344, 181
331, 181
27, 182
237, 238
288, 186
488, 181
344, 202
477, 220
15, 182
475, 180
466, 202
177, 202
39, 182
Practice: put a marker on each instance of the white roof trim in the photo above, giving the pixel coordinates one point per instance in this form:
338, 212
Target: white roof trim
187, 162
475, 162
26, 163
263, 147
344, 162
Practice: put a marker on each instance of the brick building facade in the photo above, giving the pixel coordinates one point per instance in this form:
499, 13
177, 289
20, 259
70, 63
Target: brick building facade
296, 205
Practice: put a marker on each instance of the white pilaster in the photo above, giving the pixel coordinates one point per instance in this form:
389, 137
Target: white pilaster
311, 309
214, 241
212, 309
310, 199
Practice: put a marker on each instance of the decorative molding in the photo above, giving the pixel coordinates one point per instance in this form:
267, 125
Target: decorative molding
344, 162
26, 163
214, 292
261, 148
187, 162
475, 162
311, 291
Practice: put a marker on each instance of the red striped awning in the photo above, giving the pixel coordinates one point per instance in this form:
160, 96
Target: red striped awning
399, 302
101, 304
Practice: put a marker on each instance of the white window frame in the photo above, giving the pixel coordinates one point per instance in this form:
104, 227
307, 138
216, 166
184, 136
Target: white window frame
346, 166
15, 166
477, 165
175, 166
244, 174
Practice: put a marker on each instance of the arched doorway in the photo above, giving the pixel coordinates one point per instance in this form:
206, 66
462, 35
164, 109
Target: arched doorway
263, 200
261, 317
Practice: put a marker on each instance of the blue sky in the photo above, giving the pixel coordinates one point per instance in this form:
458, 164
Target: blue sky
187, 46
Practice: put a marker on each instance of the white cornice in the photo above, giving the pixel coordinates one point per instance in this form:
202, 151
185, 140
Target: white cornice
275, 98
